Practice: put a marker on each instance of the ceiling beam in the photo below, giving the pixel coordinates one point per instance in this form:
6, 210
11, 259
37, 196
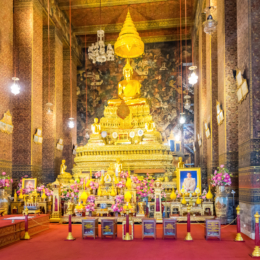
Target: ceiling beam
79, 4
140, 26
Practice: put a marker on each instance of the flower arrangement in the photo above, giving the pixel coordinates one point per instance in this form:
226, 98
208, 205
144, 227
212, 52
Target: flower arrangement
5, 181
144, 187
91, 199
221, 177
93, 185
119, 199
97, 175
203, 195
68, 194
120, 184
48, 192
90, 207
117, 207
124, 175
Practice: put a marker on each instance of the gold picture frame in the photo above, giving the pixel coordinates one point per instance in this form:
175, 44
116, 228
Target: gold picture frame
182, 172
27, 180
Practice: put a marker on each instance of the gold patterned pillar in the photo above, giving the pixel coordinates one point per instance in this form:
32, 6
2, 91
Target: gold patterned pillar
227, 97
212, 97
27, 106
203, 103
70, 135
6, 74
52, 123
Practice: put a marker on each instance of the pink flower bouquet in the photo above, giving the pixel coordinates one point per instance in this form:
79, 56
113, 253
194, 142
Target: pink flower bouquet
117, 207
120, 184
124, 175
5, 181
98, 175
221, 177
93, 185
90, 207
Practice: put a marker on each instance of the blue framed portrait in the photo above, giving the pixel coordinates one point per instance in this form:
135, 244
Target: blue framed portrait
189, 178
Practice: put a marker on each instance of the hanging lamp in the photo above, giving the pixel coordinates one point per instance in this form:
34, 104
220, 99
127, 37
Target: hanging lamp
210, 25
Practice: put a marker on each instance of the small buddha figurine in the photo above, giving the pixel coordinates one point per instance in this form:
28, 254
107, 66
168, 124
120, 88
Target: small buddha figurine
96, 127
63, 168
118, 166
109, 174
150, 126
180, 163
128, 89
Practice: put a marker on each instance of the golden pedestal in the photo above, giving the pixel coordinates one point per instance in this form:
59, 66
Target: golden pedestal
65, 178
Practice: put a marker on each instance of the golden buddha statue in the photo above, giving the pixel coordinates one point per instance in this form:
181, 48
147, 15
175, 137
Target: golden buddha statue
63, 168
118, 166
128, 89
64, 176
95, 137
96, 128
109, 174
181, 163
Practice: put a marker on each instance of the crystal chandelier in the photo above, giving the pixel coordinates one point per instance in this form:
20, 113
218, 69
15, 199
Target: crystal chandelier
97, 52
210, 25
193, 78
15, 88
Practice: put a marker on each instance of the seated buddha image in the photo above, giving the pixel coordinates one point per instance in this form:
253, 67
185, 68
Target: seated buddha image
128, 89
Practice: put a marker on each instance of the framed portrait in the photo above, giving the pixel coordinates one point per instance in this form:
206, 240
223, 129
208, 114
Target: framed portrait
190, 178
29, 183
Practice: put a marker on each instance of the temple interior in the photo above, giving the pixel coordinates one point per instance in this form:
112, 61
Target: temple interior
129, 120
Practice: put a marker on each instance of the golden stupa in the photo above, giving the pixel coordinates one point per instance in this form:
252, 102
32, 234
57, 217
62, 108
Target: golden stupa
127, 130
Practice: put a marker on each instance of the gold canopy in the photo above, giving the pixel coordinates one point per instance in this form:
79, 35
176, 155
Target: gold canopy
129, 43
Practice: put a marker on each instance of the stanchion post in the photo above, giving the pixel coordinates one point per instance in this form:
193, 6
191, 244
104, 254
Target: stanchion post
188, 236
70, 237
26, 234
238, 238
256, 252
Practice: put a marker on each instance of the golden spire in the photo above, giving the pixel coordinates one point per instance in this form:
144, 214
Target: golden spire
129, 43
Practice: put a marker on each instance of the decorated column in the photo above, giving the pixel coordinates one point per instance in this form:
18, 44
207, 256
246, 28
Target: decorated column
158, 203
227, 62
248, 17
212, 97
27, 106
6, 74
52, 93
70, 134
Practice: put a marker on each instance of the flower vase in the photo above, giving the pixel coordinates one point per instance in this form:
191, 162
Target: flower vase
221, 204
116, 214
4, 201
90, 213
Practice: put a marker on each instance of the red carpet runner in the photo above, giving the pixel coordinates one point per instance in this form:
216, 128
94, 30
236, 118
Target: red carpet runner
51, 245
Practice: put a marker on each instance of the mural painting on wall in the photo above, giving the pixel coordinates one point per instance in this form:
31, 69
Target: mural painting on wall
158, 70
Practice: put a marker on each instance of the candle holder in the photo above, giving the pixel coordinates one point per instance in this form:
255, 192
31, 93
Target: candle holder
256, 252
188, 236
238, 238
